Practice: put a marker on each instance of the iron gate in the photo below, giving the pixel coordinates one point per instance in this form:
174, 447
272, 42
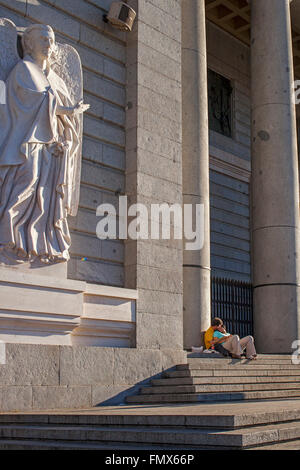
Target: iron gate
232, 302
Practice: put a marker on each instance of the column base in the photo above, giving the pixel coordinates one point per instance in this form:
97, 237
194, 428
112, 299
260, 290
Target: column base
276, 318
196, 305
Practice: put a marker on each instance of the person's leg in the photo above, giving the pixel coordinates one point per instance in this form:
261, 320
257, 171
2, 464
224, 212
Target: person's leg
248, 343
233, 345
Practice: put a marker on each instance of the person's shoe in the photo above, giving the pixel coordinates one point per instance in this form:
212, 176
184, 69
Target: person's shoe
196, 349
251, 358
235, 356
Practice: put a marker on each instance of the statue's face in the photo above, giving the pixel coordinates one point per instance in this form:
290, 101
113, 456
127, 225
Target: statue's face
41, 43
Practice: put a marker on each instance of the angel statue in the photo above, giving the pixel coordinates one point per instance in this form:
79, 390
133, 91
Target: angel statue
40, 144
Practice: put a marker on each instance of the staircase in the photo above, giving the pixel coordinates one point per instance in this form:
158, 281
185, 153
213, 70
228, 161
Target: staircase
219, 404
277, 428
214, 378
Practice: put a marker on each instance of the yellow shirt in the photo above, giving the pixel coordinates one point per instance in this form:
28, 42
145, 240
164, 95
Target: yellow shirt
208, 336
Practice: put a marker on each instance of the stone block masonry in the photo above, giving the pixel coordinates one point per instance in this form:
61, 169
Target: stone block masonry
103, 53
132, 145
154, 166
39, 377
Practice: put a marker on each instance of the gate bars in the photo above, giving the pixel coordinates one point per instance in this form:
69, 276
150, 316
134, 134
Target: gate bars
231, 300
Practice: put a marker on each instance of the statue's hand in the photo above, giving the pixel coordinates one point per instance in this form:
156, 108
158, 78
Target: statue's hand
80, 107
58, 148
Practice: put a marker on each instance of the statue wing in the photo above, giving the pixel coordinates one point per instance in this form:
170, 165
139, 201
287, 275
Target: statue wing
8, 59
8, 47
67, 66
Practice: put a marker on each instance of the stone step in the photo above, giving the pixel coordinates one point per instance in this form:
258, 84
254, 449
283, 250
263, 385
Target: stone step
212, 397
281, 445
230, 372
228, 360
31, 444
223, 379
158, 431
230, 420
151, 435
215, 388
13, 444
260, 357
235, 364
208, 380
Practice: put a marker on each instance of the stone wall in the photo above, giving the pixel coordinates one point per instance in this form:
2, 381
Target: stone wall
43, 377
55, 376
230, 227
154, 166
103, 53
230, 166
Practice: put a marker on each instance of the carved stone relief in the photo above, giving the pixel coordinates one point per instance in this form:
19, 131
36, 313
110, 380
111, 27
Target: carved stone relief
40, 144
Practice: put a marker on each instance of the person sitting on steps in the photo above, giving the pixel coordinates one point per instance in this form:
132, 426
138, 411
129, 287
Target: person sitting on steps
233, 343
208, 338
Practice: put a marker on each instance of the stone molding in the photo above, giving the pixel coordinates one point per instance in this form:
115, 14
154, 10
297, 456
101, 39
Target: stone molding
43, 310
229, 164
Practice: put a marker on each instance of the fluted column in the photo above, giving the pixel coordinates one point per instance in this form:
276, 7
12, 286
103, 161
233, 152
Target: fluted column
275, 185
195, 150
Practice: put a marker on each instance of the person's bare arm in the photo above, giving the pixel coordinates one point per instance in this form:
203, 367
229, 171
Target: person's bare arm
221, 340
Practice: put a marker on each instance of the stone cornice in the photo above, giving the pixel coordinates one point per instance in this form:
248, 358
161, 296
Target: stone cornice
229, 164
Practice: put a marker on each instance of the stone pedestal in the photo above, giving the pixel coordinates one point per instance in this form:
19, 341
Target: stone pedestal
275, 185
195, 151
38, 309
56, 270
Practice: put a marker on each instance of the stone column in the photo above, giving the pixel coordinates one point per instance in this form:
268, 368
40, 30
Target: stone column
195, 151
275, 185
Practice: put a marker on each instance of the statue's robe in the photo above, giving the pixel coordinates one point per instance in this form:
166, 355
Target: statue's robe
36, 184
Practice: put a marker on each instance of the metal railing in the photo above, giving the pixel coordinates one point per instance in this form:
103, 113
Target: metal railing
232, 301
